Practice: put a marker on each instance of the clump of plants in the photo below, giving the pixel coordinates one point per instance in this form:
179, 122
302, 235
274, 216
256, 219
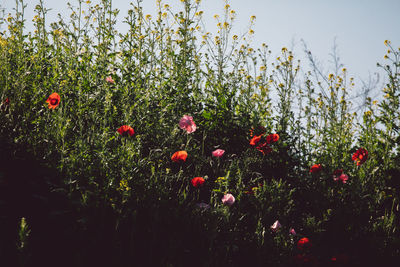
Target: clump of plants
167, 145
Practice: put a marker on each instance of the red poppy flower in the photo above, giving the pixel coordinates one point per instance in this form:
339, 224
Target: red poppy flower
264, 148
315, 168
126, 130
255, 140
53, 100
179, 156
272, 138
304, 243
360, 156
198, 181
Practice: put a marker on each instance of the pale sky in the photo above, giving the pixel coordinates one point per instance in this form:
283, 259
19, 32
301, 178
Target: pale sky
359, 26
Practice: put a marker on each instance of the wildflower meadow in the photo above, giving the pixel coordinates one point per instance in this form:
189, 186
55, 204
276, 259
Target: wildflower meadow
167, 145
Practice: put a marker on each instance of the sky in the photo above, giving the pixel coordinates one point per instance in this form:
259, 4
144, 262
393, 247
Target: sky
359, 27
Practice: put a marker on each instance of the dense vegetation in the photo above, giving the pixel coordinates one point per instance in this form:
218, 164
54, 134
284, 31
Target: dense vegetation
91, 119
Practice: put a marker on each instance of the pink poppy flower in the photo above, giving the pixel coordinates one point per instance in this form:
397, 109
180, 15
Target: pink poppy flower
218, 153
338, 175
186, 123
292, 231
109, 79
228, 199
344, 178
276, 226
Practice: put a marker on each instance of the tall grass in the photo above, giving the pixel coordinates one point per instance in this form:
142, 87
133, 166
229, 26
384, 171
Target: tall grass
88, 195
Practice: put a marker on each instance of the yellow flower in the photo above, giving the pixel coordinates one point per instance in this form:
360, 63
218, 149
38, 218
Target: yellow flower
386, 42
123, 185
216, 16
252, 18
227, 7
226, 25
251, 32
235, 37
263, 68
148, 17
330, 77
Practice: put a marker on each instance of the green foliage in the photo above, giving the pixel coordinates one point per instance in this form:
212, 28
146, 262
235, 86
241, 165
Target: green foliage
128, 202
